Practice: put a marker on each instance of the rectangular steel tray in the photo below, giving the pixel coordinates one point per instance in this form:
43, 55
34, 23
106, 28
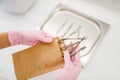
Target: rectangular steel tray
62, 17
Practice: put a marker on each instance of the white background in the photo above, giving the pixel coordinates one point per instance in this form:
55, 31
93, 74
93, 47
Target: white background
106, 61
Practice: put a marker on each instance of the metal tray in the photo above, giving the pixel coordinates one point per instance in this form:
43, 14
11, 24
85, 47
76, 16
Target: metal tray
64, 20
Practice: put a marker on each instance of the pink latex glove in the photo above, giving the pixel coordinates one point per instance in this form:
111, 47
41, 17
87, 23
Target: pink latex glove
31, 37
72, 67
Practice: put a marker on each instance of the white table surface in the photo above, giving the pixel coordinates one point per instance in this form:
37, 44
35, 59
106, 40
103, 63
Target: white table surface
106, 61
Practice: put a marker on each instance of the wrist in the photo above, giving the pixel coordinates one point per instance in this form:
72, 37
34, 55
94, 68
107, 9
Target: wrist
4, 42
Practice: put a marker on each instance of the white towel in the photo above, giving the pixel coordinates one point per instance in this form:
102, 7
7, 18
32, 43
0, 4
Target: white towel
2, 75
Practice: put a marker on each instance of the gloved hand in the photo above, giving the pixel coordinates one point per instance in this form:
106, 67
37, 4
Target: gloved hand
30, 38
72, 67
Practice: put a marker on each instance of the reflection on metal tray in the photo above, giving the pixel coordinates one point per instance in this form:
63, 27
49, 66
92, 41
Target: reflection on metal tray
72, 24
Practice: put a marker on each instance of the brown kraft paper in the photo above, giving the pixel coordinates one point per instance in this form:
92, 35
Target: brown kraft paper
37, 60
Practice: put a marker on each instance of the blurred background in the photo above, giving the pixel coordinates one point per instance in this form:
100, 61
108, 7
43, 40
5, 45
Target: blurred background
105, 63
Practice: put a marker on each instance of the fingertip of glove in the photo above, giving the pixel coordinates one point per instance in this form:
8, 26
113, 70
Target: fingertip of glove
47, 40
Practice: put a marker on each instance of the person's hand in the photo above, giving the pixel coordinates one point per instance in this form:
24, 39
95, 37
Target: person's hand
72, 67
31, 37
